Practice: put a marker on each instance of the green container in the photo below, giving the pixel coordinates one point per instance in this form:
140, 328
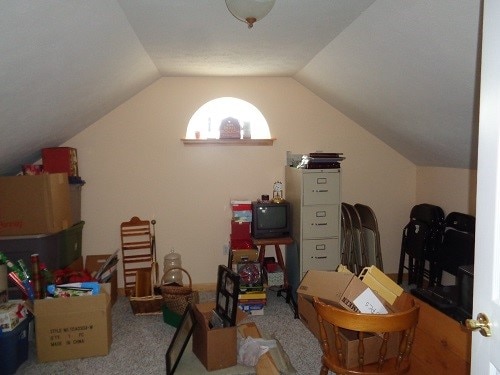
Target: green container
70, 242
170, 317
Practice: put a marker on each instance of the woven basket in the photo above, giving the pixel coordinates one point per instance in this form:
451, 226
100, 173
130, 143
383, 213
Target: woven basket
148, 305
176, 297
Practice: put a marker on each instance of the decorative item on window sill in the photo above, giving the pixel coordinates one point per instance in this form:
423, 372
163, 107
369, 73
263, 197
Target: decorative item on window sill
230, 129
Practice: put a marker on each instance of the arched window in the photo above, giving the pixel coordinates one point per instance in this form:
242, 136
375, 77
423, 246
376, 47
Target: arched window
206, 121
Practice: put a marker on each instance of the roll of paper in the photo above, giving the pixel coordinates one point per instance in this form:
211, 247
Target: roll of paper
3, 277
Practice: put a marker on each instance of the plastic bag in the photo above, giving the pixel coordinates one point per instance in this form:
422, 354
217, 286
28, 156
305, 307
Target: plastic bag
251, 349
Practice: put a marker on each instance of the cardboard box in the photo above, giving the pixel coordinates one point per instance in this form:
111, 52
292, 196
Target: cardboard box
34, 204
342, 289
242, 255
92, 264
327, 285
358, 297
70, 328
371, 342
381, 283
215, 348
11, 314
275, 277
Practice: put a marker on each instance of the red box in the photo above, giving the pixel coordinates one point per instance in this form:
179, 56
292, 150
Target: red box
241, 206
60, 160
240, 230
242, 244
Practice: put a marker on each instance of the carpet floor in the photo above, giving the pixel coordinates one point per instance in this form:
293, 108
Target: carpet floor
140, 343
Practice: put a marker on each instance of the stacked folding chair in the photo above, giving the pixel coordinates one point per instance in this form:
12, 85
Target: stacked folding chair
420, 241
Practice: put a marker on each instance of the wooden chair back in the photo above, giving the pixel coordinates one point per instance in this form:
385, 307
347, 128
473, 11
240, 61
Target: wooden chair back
369, 329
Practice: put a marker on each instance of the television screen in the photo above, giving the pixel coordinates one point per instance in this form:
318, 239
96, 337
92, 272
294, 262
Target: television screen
270, 219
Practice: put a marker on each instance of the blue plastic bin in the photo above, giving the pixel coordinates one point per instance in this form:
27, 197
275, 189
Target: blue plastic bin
14, 348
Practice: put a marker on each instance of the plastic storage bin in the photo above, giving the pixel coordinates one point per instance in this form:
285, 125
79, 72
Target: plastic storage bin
14, 348
75, 200
56, 250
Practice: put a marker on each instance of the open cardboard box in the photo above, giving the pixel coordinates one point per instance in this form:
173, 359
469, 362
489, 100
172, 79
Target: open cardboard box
215, 348
345, 290
92, 264
74, 327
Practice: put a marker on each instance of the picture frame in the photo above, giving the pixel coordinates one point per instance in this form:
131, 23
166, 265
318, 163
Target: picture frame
228, 288
180, 340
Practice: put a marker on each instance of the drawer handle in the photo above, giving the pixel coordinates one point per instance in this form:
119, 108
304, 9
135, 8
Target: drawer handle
320, 257
319, 224
320, 191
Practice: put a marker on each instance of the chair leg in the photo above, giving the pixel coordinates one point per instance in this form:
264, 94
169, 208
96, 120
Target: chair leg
402, 257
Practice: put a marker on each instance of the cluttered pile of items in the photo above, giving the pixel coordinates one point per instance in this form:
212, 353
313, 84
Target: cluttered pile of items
41, 258
45, 296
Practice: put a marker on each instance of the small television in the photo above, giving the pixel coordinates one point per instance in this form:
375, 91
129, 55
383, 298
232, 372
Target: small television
270, 220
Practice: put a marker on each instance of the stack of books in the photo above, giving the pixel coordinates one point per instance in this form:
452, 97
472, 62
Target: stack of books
253, 302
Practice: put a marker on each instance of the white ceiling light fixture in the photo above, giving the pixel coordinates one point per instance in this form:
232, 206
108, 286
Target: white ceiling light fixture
250, 11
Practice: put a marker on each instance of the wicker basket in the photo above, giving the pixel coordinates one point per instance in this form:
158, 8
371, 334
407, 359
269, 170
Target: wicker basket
148, 305
176, 297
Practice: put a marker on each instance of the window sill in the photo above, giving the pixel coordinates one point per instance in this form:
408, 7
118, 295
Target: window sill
230, 142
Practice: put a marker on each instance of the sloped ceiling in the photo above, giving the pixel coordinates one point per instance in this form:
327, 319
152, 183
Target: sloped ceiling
404, 70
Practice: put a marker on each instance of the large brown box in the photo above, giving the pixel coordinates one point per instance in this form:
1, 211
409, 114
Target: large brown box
34, 204
215, 348
70, 328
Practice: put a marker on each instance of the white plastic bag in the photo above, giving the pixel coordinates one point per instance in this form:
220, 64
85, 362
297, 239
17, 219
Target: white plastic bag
251, 349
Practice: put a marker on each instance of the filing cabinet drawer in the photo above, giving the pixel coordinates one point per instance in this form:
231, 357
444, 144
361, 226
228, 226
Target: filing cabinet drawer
321, 188
323, 255
320, 221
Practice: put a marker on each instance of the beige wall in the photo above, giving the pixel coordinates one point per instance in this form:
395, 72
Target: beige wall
451, 188
135, 165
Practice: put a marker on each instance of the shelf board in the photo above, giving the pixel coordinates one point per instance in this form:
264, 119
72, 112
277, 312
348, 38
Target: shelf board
230, 142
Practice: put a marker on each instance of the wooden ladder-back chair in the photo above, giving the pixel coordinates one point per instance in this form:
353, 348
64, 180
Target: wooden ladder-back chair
334, 322
371, 235
137, 252
358, 250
